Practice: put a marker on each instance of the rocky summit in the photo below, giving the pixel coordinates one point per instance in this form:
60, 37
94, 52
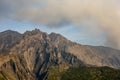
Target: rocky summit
31, 55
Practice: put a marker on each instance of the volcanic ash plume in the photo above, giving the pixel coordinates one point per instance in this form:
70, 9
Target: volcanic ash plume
104, 13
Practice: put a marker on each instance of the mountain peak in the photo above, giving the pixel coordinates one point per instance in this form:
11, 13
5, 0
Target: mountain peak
8, 39
33, 32
8, 32
36, 30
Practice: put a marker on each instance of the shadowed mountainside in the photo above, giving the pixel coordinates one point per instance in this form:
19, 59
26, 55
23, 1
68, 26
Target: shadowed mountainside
8, 39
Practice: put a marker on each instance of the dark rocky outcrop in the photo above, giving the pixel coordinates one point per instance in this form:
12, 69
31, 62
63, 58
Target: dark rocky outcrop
8, 39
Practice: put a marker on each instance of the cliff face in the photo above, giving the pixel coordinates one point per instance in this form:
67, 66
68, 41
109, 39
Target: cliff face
33, 53
8, 39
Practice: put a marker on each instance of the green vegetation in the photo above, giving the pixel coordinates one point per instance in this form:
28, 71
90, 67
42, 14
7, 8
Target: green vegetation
85, 73
55, 72
2, 76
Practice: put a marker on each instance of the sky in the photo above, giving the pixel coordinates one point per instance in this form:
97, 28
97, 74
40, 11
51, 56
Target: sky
88, 22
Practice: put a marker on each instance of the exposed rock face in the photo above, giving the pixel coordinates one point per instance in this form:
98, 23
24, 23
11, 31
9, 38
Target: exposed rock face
8, 39
33, 56
98, 56
30, 55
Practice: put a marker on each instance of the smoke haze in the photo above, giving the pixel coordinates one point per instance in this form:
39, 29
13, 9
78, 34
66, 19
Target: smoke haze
96, 15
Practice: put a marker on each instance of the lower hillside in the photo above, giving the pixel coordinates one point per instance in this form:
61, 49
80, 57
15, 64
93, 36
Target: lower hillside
84, 73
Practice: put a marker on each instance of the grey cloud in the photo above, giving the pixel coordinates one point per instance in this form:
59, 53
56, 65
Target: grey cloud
104, 13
